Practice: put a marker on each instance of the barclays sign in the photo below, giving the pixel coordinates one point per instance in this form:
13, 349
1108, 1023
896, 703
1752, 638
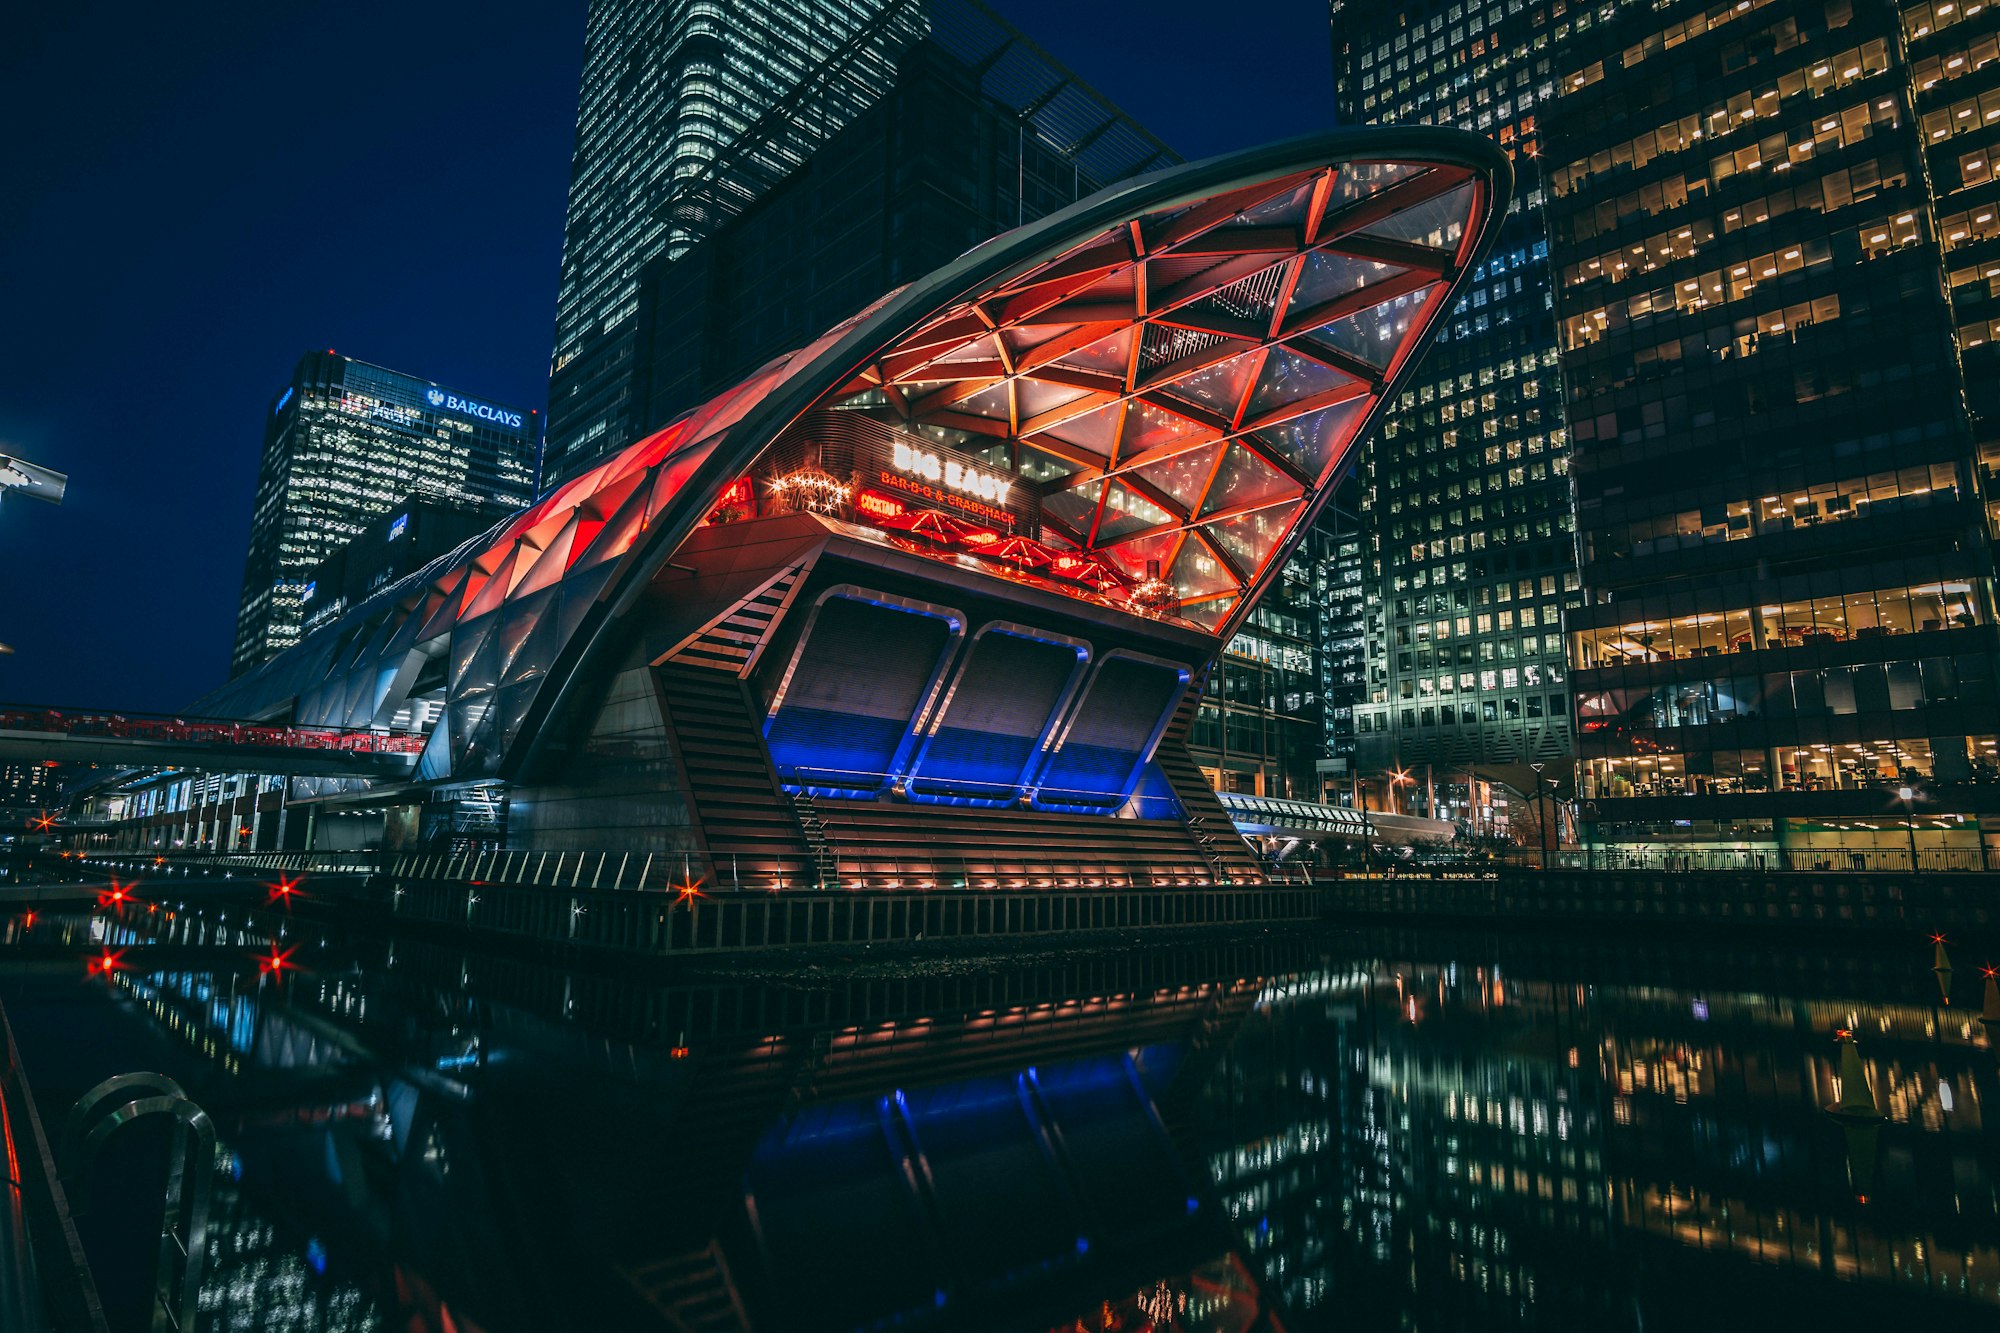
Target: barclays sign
451, 402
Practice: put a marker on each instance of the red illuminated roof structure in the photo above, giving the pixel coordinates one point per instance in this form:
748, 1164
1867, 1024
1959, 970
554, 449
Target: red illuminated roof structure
1174, 373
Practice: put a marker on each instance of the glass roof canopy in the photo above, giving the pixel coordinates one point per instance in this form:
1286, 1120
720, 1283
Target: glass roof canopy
1185, 382
1182, 363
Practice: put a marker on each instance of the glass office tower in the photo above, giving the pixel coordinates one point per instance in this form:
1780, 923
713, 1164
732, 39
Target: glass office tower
689, 110
344, 442
1772, 275
977, 134
1465, 508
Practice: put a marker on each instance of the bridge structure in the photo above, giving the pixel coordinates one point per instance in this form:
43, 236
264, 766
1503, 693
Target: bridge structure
34, 734
924, 604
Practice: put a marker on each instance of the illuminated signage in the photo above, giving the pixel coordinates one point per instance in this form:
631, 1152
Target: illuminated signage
951, 474
283, 398
310, 589
397, 528
451, 402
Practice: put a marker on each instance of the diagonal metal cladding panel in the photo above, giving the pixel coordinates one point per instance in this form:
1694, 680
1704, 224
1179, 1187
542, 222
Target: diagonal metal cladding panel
867, 668
1110, 736
997, 715
1185, 359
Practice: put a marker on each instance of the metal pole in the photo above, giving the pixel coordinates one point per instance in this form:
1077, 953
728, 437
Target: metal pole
1910, 823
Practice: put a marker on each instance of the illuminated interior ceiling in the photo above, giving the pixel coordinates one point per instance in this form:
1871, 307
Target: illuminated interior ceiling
1185, 383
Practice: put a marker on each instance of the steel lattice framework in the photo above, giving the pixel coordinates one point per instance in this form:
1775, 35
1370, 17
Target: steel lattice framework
1182, 365
1200, 372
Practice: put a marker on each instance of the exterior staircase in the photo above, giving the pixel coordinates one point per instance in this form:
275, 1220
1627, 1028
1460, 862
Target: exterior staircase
692, 1290
1229, 858
753, 835
814, 828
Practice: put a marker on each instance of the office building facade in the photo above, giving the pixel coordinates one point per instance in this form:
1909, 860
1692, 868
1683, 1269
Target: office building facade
413, 533
688, 111
344, 443
1772, 227
707, 234
1261, 726
1464, 512
949, 155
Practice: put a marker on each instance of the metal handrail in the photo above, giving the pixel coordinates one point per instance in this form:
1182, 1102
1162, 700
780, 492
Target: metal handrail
63, 1296
101, 1113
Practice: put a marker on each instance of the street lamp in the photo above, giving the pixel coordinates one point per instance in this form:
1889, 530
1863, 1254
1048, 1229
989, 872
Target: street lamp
1397, 777
1909, 796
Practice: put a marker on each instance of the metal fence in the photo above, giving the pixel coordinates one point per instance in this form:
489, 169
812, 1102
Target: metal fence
683, 872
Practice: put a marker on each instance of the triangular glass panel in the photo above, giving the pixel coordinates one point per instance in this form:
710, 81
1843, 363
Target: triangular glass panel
1037, 396
1148, 427
1374, 334
552, 561
1093, 431
1073, 507
1249, 539
1219, 387
1135, 556
1108, 354
467, 641
509, 712
470, 724
1209, 613
1327, 277
1197, 572
1437, 222
975, 349
580, 592
434, 764
1039, 465
674, 474
1246, 479
617, 535
1287, 210
537, 650
1315, 441
1164, 345
1357, 180
1026, 336
1127, 511
412, 620
1253, 299
988, 402
1183, 476
495, 590
1287, 377
517, 623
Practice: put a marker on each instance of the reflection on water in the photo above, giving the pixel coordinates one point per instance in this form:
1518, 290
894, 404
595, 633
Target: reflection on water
1337, 1131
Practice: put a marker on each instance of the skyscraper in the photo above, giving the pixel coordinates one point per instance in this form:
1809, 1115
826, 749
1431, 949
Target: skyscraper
1773, 226
693, 116
1464, 507
671, 88
976, 134
344, 442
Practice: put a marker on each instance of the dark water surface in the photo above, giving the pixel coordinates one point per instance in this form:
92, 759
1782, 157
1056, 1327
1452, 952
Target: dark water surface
1303, 1131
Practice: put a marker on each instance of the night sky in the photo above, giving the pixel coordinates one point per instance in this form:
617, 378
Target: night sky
194, 195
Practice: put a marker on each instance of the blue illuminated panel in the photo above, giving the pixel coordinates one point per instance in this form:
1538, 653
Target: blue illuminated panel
1112, 733
996, 716
856, 684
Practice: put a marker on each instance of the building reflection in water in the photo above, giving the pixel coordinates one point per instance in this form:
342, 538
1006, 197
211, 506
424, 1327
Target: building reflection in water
1459, 1146
1344, 1131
